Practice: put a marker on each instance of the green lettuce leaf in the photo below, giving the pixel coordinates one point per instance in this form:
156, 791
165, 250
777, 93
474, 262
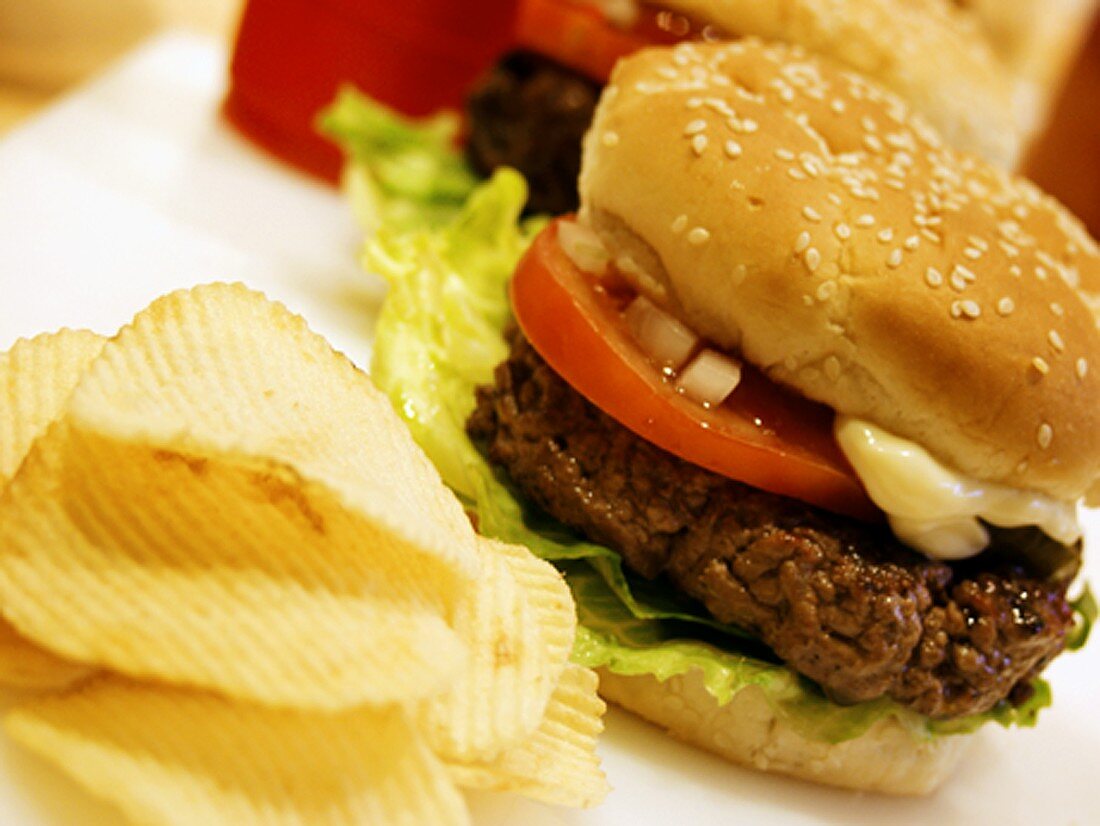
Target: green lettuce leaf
403, 173
439, 336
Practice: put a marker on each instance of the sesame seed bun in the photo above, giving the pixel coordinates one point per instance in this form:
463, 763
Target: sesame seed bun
886, 758
930, 52
830, 237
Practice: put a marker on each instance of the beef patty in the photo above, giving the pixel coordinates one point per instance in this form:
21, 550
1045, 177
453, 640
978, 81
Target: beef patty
531, 113
839, 601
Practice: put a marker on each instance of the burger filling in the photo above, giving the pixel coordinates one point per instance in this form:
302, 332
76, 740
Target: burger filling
840, 601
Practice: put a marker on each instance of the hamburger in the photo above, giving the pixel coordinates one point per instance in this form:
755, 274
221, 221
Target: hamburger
532, 109
808, 370
1037, 40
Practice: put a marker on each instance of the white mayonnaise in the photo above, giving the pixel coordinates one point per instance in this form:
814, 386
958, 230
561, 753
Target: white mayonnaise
934, 509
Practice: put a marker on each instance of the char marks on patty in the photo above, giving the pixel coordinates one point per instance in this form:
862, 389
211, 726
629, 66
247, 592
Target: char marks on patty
840, 601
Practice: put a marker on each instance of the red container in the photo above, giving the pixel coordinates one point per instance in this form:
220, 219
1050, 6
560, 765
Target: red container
292, 56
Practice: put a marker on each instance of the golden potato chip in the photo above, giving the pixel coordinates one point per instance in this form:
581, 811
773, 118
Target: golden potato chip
510, 670
229, 504
171, 756
548, 594
558, 764
24, 665
36, 378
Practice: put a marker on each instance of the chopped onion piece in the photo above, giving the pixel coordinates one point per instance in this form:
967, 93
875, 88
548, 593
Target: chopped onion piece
709, 378
583, 247
664, 339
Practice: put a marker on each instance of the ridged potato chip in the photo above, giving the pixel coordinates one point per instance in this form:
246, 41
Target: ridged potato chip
170, 756
26, 666
558, 763
229, 504
37, 377
548, 594
510, 670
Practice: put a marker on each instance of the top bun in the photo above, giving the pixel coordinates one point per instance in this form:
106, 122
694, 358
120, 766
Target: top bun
930, 52
799, 214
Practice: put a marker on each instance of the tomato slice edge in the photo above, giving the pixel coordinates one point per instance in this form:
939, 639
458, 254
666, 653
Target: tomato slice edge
559, 323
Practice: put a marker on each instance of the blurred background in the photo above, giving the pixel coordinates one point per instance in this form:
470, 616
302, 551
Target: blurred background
49, 46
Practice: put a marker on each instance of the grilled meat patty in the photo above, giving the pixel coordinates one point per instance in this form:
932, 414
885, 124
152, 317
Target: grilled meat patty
839, 601
531, 113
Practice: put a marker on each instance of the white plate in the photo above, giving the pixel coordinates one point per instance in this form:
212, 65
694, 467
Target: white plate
133, 187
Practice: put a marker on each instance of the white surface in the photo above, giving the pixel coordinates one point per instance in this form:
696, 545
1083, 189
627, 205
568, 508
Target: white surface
133, 187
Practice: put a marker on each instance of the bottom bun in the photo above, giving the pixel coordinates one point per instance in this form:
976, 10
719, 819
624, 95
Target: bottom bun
887, 758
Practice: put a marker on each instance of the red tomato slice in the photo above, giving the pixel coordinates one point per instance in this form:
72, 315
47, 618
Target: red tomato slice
579, 36
763, 435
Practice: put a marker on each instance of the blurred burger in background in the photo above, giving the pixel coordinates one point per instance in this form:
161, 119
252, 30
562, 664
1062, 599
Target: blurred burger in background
532, 109
1037, 40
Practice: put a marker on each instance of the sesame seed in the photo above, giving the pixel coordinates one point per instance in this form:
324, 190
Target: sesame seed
872, 143
811, 214
843, 231
965, 274
1057, 309
865, 220
1040, 365
826, 290
930, 235
886, 235
958, 283
784, 154
894, 183
1040, 273
797, 174
956, 309
1082, 368
933, 277
733, 149
610, 139
812, 258
868, 123
1005, 306
1056, 341
694, 103
1045, 435
832, 368
912, 242
749, 126
1011, 250
679, 223
980, 243
802, 243
698, 235
894, 261
695, 127
1015, 270
971, 309
837, 106
973, 253
834, 199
